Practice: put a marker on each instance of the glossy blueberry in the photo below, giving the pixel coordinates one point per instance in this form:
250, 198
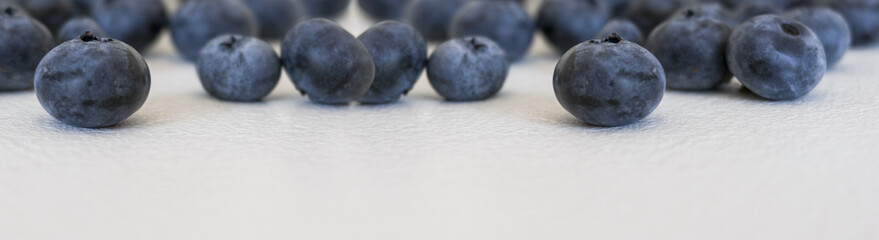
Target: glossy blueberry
746, 11
276, 17
52, 13
325, 8
432, 17
862, 17
23, 42
92, 82
76, 27
199, 21
384, 9
135, 22
649, 13
775, 57
566, 23
468, 69
610, 82
504, 22
692, 49
399, 54
327, 63
625, 28
829, 26
238, 68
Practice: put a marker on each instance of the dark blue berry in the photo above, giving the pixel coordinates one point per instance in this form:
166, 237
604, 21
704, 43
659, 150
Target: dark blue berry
504, 22
775, 57
384, 9
862, 17
610, 82
692, 49
23, 42
327, 63
238, 68
325, 8
399, 54
135, 22
468, 69
199, 21
432, 17
76, 27
276, 17
830, 27
566, 23
92, 82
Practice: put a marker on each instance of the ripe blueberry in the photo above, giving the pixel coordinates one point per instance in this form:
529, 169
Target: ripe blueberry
504, 22
399, 54
468, 69
238, 68
23, 42
199, 21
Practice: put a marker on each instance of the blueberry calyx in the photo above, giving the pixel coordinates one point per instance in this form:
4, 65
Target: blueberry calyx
689, 13
613, 38
476, 45
790, 29
88, 37
229, 44
9, 11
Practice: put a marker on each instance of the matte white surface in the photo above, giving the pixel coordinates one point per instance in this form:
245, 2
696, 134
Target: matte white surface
716, 165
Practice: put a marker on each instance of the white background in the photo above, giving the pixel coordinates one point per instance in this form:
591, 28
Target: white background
705, 165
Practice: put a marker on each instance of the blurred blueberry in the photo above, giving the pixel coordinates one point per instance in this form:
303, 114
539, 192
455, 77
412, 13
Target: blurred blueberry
566, 23
384, 9
862, 17
276, 17
325, 8
399, 54
23, 42
432, 17
504, 22
609, 83
76, 27
238, 68
135, 22
92, 82
624, 28
468, 69
775, 57
199, 21
649, 13
326, 63
829, 26
746, 11
52, 13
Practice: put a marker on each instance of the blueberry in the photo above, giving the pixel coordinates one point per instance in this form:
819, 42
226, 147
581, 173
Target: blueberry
276, 17
618, 7
712, 10
327, 63
76, 26
504, 22
746, 11
468, 69
399, 54
23, 42
829, 26
135, 22
610, 82
692, 49
780, 4
92, 82
384, 9
432, 17
775, 57
199, 21
566, 23
83, 7
862, 17
52, 13
325, 8
649, 13
238, 68
625, 28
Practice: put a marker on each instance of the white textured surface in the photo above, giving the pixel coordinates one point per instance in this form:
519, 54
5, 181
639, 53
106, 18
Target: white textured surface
719, 165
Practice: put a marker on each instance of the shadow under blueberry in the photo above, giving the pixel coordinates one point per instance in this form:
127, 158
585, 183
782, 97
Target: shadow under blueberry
650, 122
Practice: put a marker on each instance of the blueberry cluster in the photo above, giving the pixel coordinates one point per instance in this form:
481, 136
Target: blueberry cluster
619, 55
